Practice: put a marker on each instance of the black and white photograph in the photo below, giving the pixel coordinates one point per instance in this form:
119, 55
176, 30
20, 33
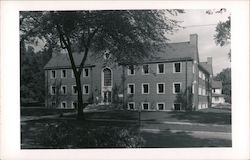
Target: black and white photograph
119, 80
125, 78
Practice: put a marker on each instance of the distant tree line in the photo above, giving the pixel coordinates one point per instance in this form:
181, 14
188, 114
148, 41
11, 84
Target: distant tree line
32, 76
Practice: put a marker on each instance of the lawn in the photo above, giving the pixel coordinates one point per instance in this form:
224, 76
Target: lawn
42, 111
109, 130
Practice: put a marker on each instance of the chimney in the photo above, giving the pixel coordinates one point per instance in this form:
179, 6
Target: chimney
194, 39
209, 60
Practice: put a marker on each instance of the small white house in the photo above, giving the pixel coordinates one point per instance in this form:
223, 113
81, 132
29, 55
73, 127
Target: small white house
217, 96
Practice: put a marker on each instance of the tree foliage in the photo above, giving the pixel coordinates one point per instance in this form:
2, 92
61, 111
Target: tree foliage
225, 77
128, 35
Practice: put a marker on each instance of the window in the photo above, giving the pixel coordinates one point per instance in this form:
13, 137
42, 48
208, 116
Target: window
131, 105
53, 90
74, 89
63, 73
145, 88
177, 67
161, 106
200, 90
53, 104
107, 77
63, 104
131, 88
160, 88
160, 68
74, 105
145, 69
85, 72
53, 74
176, 87
145, 106
85, 89
131, 70
63, 89
177, 106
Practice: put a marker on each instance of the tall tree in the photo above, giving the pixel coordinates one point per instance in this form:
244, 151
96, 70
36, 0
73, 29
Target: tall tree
128, 35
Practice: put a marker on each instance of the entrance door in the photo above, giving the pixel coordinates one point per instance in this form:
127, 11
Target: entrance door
107, 85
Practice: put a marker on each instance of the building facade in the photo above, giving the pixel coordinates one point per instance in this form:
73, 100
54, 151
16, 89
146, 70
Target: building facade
174, 79
217, 96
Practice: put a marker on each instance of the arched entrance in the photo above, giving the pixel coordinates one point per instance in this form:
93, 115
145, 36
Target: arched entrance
106, 85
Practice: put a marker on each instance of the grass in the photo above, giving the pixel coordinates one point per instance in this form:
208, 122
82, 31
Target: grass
41, 111
67, 132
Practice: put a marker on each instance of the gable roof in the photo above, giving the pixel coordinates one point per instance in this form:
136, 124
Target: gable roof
169, 52
207, 66
216, 84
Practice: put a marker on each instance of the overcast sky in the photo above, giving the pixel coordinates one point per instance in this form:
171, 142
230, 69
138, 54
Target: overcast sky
206, 44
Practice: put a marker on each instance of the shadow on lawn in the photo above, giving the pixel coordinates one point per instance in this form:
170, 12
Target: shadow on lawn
203, 117
168, 139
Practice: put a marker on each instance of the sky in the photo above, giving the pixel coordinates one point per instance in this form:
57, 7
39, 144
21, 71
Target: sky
191, 20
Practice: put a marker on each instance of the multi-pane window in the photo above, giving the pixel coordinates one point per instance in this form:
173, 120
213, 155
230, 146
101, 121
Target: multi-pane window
131, 105
131, 88
63, 89
145, 69
63, 104
63, 73
161, 106
74, 105
53, 90
53, 74
85, 72
131, 70
107, 77
85, 89
145, 106
176, 87
160, 68
160, 88
74, 89
145, 88
177, 67
177, 106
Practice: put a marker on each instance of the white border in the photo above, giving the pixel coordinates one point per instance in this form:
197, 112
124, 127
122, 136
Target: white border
10, 86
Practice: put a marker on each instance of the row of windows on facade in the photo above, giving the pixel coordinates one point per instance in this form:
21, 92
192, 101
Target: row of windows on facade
131, 70
63, 89
145, 88
130, 105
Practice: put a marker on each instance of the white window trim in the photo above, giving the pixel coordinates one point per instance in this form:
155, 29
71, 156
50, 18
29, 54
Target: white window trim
142, 91
174, 71
72, 87
157, 88
72, 104
62, 104
157, 68
174, 107
52, 74
174, 87
83, 89
143, 73
65, 89
51, 90
131, 103
129, 72
72, 74
128, 88
84, 73
145, 103
157, 105
62, 73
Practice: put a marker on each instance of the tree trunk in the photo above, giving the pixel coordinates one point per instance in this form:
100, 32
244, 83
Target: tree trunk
80, 106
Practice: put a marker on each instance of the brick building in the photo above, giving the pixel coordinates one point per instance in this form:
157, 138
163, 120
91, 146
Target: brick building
174, 79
